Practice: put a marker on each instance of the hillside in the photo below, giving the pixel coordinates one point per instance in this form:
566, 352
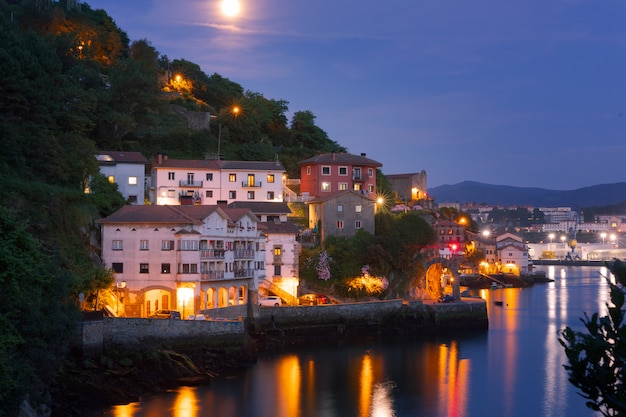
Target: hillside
503, 195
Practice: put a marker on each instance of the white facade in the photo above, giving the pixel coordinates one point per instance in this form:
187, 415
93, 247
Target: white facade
207, 182
282, 260
127, 170
186, 258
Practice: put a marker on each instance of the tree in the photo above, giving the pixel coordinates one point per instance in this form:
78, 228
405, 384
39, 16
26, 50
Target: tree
105, 195
596, 359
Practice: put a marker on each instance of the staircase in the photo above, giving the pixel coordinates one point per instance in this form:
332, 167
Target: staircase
273, 288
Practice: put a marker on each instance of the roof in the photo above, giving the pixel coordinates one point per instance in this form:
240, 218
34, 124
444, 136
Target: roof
280, 227
212, 164
173, 214
335, 194
341, 158
117, 157
262, 207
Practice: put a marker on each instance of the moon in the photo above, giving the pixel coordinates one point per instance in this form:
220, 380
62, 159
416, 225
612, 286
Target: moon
230, 7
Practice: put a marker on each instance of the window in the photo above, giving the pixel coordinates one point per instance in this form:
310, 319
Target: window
356, 174
209, 176
340, 224
171, 193
188, 245
370, 172
326, 186
189, 269
118, 245
277, 270
251, 180
308, 170
143, 245
132, 199
357, 187
232, 177
343, 186
118, 267
339, 208
171, 176
250, 195
270, 178
165, 268
325, 170
143, 268
357, 224
111, 179
232, 195
209, 193
371, 188
278, 251
343, 170
358, 208
167, 245
132, 180
270, 195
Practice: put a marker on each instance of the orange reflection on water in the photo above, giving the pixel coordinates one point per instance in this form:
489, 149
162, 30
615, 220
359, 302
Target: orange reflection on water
186, 403
453, 377
127, 410
366, 386
289, 381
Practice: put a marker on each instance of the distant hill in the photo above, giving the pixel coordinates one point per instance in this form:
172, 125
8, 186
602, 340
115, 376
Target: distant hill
504, 195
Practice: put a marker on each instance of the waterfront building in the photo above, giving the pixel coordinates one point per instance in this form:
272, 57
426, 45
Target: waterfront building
208, 182
324, 174
187, 258
127, 170
342, 213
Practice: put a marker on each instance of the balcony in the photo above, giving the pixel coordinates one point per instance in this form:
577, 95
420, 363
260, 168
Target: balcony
244, 273
187, 277
184, 183
211, 275
244, 254
251, 184
212, 254
360, 177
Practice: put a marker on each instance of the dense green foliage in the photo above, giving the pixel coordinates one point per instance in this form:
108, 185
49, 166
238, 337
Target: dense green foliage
597, 358
396, 252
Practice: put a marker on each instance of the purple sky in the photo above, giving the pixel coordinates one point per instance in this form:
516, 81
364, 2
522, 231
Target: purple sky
527, 93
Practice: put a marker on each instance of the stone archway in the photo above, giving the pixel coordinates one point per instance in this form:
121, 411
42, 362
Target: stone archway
434, 270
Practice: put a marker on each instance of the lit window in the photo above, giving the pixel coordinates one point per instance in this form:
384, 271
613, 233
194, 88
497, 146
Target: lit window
111, 179
278, 251
326, 186
270, 178
339, 207
132, 180
343, 186
171, 193
357, 208
325, 170
232, 177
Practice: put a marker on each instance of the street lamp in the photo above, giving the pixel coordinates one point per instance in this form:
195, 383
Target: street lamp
603, 236
563, 238
119, 286
613, 238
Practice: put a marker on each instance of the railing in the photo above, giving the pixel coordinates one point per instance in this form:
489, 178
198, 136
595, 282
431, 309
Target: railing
187, 277
184, 183
251, 184
244, 254
360, 177
212, 254
244, 273
211, 275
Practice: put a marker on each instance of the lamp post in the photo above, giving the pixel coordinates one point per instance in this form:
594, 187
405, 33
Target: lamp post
551, 237
613, 239
119, 286
603, 236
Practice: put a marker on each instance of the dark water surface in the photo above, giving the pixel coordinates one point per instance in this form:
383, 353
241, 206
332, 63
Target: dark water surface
513, 369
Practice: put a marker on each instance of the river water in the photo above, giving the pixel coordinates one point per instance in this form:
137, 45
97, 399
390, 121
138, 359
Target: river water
513, 369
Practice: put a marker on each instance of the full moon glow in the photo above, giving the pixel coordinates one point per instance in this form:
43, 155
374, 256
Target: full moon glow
230, 7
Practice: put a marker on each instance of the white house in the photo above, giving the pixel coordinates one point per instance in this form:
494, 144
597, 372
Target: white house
207, 182
188, 258
127, 170
512, 253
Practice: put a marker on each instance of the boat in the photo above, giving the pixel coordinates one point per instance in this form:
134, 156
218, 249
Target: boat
498, 303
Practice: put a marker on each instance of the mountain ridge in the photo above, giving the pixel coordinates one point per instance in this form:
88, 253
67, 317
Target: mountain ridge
506, 195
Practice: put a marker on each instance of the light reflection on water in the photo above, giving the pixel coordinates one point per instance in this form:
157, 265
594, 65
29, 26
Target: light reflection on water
515, 369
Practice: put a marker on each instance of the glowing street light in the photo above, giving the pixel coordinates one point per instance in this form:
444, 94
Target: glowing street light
612, 238
603, 236
563, 238
551, 237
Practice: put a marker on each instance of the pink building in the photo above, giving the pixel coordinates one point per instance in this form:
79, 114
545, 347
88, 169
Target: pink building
328, 173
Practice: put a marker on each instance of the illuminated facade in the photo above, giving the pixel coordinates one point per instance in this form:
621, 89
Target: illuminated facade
127, 170
186, 258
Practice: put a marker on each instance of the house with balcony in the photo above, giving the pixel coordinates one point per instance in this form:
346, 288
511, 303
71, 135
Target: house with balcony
127, 170
342, 213
324, 174
208, 181
196, 258
512, 254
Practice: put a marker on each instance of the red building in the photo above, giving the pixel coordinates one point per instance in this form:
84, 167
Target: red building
328, 173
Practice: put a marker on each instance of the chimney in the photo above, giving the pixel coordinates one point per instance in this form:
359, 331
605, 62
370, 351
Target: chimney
363, 154
159, 159
165, 157
333, 155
